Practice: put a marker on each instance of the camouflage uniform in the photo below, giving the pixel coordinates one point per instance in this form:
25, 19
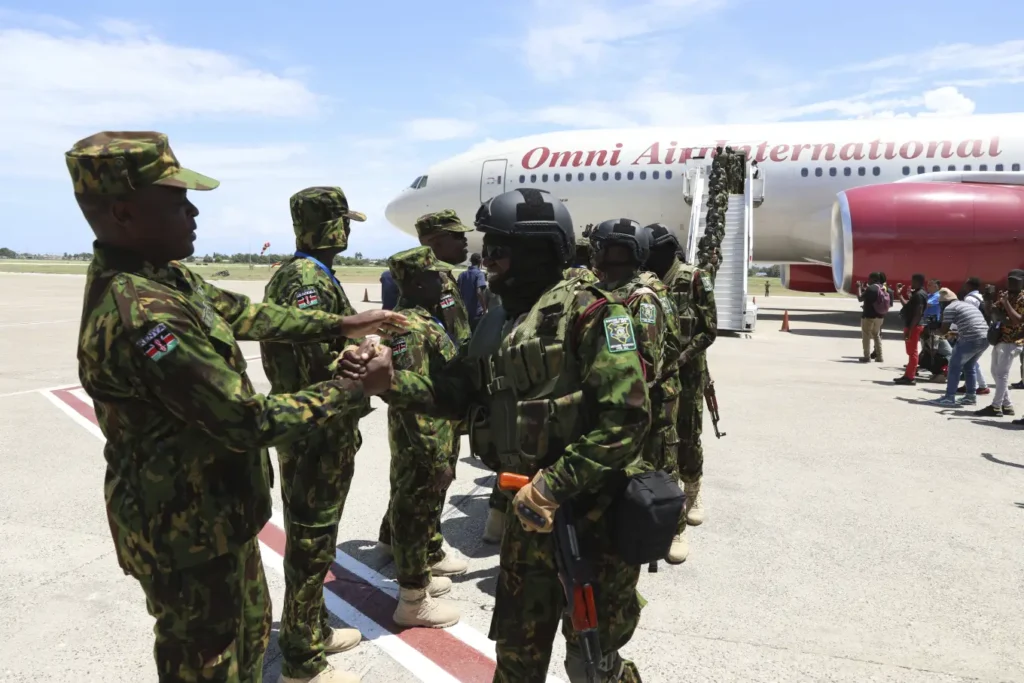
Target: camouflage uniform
422, 447
585, 427
316, 471
694, 298
188, 476
659, 344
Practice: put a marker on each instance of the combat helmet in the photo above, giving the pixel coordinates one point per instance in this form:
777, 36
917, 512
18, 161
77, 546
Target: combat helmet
529, 213
625, 232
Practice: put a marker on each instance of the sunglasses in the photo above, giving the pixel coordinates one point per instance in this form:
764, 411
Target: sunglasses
493, 252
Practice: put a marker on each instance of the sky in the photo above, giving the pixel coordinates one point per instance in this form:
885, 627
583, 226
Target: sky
367, 95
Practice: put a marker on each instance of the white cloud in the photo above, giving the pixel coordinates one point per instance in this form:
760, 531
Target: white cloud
439, 129
578, 33
947, 101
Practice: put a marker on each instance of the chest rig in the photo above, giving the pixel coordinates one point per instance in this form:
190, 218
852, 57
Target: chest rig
681, 286
527, 373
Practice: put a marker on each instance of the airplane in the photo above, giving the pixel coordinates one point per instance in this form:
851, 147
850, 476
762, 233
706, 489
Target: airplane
942, 196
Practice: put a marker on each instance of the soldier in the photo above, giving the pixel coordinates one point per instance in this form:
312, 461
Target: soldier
583, 261
422, 449
694, 299
621, 247
558, 394
316, 471
445, 234
188, 475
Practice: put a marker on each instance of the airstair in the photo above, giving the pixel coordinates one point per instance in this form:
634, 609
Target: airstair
736, 313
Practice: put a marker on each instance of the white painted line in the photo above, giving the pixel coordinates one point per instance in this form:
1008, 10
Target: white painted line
41, 322
37, 391
75, 415
407, 656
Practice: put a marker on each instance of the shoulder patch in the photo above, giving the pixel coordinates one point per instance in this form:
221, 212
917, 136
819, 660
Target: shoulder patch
447, 300
158, 342
398, 346
705, 282
307, 297
618, 333
666, 303
648, 314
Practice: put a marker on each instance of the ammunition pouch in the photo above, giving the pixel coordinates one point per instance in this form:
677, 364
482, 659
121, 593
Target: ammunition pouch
645, 516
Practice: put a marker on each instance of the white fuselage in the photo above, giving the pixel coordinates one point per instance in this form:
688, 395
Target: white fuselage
804, 165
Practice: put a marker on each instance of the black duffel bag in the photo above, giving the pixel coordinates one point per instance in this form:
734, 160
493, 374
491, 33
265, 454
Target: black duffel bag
645, 517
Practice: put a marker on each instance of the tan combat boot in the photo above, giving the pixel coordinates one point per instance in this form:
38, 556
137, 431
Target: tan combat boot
328, 675
679, 550
694, 504
452, 564
495, 527
417, 608
439, 585
342, 639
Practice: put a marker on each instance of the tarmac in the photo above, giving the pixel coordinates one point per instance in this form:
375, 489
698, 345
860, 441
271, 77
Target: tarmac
853, 533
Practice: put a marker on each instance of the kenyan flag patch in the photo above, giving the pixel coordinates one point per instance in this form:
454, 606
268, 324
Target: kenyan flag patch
307, 298
447, 301
158, 342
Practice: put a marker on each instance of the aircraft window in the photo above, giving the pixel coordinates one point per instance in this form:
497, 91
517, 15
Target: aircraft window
580, 177
668, 175
533, 177
876, 171
643, 175
999, 167
604, 176
952, 167
654, 175
414, 183
544, 178
522, 179
861, 171
593, 176
920, 169
936, 168
967, 167
618, 175
803, 172
558, 176
983, 167
1015, 167
568, 177
817, 173
832, 171
629, 176
847, 170
906, 170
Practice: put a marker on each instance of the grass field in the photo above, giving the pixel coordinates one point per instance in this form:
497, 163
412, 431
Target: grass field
354, 274
236, 271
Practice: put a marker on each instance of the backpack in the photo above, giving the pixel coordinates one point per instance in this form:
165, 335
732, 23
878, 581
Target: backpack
883, 301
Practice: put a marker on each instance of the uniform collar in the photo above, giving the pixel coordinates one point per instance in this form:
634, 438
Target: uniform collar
108, 258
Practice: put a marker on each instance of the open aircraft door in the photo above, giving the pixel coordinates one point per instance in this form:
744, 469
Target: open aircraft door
492, 179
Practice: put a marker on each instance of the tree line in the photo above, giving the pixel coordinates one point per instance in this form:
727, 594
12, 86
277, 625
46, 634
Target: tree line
356, 259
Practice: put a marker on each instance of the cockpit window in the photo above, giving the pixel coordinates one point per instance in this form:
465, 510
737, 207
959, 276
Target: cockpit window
423, 182
416, 182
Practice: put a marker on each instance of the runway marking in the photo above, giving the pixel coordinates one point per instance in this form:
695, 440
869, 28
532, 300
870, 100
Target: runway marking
355, 593
41, 322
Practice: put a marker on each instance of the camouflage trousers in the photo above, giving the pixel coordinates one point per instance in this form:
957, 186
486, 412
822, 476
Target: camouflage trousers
412, 523
662, 445
529, 605
691, 424
314, 486
212, 620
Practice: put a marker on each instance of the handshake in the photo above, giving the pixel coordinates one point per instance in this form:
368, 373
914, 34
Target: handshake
369, 363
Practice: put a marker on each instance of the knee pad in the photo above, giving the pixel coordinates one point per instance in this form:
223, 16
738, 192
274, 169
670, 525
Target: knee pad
609, 668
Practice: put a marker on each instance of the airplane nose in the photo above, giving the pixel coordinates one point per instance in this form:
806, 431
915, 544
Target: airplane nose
391, 213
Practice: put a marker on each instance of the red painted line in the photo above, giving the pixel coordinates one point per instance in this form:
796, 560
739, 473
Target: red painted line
76, 404
451, 654
461, 661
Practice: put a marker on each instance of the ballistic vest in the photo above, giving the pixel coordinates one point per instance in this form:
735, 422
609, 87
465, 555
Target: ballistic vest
528, 373
679, 281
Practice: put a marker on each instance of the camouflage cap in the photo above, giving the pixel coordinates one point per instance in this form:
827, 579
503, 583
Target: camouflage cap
118, 162
320, 218
405, 265
445, 220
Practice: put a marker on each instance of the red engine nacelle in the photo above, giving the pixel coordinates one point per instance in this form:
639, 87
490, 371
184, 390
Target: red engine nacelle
948, 231
806, 277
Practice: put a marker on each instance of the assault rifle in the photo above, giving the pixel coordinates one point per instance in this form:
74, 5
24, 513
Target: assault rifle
575, 574
712, 400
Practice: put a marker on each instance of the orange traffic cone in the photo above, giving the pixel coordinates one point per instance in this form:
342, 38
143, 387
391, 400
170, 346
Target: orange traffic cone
785, 322
366, 295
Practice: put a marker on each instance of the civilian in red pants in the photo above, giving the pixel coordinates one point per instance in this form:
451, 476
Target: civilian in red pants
911, 312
